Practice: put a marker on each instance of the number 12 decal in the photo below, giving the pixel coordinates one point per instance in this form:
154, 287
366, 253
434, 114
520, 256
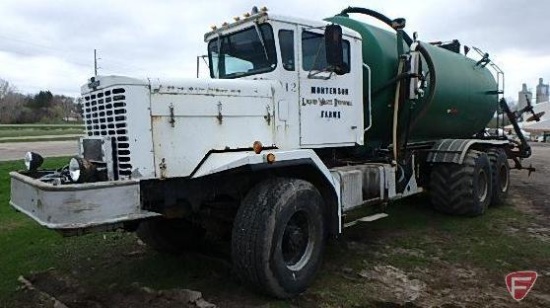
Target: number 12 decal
290, 87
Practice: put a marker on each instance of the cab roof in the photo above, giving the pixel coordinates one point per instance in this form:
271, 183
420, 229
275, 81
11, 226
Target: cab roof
264, 16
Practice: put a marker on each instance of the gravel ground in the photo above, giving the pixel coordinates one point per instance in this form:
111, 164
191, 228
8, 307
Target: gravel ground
16, 150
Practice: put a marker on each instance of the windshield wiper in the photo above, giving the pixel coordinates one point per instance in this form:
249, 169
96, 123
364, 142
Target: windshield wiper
261, 40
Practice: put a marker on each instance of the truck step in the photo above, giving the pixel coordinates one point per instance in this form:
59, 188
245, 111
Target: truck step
366, 219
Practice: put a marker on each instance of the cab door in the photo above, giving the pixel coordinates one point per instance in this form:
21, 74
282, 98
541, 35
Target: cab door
288, 100
331, 106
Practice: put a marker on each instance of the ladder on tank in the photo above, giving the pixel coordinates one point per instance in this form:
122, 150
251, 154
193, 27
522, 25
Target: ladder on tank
499, 74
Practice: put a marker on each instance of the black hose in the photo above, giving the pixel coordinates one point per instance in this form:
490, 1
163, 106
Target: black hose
433, 82
525, 149
407, 132
383, 18
392, 81
423, 51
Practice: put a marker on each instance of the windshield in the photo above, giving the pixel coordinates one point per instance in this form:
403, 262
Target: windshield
247, 52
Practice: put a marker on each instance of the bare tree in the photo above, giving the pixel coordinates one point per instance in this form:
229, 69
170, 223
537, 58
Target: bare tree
68, 106
10, 102
41, 107
5, 89
63, 107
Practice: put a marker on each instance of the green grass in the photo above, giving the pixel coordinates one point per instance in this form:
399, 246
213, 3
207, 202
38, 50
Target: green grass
99, 260
37, 139
24, 245
27, 247
38, 132
445, 243
478, 241
103, 260
33, 132
41, 125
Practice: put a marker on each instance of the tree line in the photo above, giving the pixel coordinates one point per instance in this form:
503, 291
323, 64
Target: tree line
42, 107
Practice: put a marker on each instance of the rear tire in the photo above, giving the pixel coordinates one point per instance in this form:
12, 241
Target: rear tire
278, 236
500, 174
462, 189
172, 236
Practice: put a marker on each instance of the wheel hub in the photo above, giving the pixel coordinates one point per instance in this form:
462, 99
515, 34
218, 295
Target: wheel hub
482, 186
297, 243
504, 181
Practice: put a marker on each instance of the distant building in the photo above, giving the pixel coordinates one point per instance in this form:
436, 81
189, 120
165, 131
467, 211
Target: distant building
523, 96
542, 92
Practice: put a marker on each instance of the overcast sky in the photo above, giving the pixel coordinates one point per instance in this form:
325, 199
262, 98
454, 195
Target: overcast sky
48, 45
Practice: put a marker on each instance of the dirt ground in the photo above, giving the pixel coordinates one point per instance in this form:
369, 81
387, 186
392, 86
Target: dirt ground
535, 187
356, 272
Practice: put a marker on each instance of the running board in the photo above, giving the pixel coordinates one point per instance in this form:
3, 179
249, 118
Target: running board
366, 219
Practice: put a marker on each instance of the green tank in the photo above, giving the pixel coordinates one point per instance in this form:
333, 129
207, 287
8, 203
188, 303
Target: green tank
459, 102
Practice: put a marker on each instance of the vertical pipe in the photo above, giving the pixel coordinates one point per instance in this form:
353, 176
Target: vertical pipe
95, 62
400, 49
198, 63
396, 111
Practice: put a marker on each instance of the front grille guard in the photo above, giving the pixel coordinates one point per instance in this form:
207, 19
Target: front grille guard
105, 114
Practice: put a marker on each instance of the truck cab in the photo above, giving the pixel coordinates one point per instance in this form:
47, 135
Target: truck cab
310, 98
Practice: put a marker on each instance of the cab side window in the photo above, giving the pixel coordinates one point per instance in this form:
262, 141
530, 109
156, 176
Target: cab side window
286, 42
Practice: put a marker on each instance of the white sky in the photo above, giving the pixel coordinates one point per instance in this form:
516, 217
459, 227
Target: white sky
48, 45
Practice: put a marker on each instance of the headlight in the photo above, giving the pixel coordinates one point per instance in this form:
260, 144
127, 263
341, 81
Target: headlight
74, 169
81, 170
33, 161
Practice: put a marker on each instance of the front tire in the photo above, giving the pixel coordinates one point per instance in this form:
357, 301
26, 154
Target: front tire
278, 236
462, 189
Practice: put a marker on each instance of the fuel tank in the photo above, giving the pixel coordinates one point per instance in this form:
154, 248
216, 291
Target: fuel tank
459, 101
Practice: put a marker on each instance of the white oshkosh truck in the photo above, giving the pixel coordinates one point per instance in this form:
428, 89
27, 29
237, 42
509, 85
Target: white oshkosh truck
300, 123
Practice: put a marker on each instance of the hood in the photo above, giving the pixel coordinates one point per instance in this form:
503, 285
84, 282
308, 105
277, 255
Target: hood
215, 87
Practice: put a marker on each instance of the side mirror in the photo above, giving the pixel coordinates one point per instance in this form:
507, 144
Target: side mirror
334, 49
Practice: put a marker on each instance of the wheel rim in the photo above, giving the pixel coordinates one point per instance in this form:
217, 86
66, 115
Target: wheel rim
482, 186
504, 182
297, 244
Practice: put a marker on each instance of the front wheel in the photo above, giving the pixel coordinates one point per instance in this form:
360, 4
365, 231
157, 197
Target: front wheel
278, 236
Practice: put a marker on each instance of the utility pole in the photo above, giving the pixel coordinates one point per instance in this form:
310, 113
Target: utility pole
95, 62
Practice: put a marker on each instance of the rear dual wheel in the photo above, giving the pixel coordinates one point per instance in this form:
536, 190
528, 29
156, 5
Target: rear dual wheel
465, 189
500, 175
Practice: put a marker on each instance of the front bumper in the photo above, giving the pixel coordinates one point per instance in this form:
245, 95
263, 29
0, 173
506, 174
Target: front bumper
77, 206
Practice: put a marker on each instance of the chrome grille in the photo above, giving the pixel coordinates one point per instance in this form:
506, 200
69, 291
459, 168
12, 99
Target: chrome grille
105, 115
